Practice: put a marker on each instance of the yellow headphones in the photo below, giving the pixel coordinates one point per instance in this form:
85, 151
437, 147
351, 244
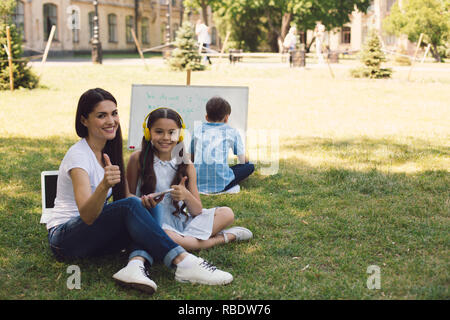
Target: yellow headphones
148, 136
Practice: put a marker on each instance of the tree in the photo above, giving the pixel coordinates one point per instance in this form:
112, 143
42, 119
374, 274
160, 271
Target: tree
23, 75
203, 5
413, 17
372, 57
253, 19
185, 55
331, 13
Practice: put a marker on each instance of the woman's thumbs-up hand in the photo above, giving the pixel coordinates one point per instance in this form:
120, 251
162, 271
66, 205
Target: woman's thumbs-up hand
180, 192
112, 173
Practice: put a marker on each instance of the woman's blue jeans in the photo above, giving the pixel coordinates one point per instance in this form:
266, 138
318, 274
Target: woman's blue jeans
122, 224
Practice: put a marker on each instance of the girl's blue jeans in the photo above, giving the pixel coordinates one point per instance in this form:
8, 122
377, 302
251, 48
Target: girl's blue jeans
122, 224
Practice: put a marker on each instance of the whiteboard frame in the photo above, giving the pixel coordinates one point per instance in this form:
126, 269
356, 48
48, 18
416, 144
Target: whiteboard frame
130, 126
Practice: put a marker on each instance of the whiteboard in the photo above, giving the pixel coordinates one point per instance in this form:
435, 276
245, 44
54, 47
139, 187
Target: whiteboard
189, 102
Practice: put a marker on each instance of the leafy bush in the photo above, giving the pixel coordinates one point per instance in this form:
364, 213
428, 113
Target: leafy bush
24, 77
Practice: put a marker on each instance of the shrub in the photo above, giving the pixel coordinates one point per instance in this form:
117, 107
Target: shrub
24, 77
372, 57
185, 55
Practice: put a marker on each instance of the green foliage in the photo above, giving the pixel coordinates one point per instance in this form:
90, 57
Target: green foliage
430, 17
253, 22
23, 75
243, 19
185, 55
6, 9
372, 57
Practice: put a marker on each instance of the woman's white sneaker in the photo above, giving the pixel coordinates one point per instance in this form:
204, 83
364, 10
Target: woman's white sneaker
201, 271
135, 276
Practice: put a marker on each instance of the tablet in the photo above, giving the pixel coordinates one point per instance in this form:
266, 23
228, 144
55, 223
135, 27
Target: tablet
158, 194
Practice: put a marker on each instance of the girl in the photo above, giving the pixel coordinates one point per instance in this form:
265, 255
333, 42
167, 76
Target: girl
155, 168
83, 223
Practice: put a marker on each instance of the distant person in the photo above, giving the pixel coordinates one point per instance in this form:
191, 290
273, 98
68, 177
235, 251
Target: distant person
203, 37
291, 39
210, 145
319, 32
156, 168
84, 224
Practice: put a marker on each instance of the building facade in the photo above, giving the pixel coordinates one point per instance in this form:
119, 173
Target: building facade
74, 21
351, 37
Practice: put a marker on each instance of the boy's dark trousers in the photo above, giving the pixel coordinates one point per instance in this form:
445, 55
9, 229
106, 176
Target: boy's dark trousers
241, 171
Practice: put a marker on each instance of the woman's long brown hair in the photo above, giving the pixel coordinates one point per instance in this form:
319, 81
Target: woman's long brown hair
113, 148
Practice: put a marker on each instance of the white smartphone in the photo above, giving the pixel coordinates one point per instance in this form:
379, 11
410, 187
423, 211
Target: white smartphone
159, 194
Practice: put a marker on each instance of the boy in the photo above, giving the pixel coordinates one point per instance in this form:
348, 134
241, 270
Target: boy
209, 149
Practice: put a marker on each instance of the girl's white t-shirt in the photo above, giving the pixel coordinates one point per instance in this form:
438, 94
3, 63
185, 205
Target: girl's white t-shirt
80, 155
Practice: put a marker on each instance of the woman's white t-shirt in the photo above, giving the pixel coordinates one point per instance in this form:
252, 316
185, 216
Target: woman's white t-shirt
80, 155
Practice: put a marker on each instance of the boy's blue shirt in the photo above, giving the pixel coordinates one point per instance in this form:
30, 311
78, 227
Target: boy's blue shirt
210, 145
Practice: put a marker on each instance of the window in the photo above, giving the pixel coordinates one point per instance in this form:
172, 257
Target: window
390, 39
19, 18
364, 32
345, 35
112, 27
50, 19
75, 25
174, 31
163, 32
144, 31
91, 24
129, 23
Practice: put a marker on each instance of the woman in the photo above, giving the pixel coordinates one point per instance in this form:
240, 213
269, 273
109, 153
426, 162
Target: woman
83, 223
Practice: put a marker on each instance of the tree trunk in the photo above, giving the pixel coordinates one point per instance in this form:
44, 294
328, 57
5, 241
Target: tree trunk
273, 34
435, 53
308, 47
205, 12
285, 23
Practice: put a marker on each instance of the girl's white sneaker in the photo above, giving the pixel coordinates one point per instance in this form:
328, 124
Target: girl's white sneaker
241, 233
201, 271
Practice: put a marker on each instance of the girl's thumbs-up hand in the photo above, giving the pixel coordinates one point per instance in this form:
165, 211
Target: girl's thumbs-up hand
180, 192
112, 173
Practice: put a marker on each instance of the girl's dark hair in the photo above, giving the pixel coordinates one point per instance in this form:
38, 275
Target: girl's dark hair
113, 148
148, 175
217, 108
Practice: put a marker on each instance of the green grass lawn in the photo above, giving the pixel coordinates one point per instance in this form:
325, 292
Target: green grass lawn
362, 178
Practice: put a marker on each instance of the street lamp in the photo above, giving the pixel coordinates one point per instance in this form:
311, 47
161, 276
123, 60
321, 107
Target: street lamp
96, 44
168, 26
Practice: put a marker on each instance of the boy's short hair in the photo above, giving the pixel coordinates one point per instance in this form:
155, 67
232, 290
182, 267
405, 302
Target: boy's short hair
217, 108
